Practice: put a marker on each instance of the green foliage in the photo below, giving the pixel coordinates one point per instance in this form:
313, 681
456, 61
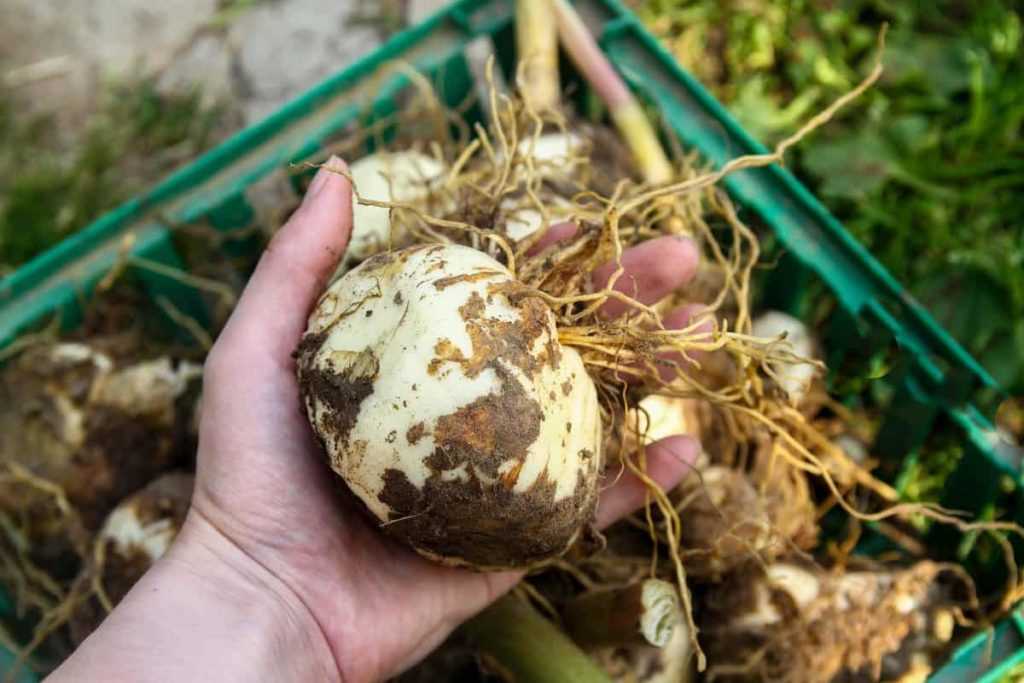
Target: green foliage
927, 169
47, 192
1014, 675
923, 477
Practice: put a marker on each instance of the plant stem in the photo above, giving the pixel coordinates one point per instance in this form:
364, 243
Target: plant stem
625, 110
645, 613
528, 648
537, 47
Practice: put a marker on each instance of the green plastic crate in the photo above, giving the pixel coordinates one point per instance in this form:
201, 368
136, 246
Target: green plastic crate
935, 383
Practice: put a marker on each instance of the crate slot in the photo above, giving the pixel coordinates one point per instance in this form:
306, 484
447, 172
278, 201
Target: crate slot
1003, 643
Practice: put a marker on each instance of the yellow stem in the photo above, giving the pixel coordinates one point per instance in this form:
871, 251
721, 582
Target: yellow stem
537, 45
514, 636
625, 110
642, 140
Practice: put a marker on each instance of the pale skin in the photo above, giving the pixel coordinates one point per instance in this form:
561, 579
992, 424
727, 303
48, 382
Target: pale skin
275, 576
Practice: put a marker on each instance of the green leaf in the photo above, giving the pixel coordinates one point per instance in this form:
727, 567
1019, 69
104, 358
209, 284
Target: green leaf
760, 112
851, 167
969, 304
1004, 358
912, 133
938, 63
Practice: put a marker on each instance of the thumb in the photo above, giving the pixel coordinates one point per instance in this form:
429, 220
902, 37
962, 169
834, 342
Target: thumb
271, 314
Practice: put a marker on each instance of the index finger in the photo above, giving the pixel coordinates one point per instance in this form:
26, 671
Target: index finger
651, 271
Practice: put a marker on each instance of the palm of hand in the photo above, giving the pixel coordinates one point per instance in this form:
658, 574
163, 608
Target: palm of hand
380, 606
263, 485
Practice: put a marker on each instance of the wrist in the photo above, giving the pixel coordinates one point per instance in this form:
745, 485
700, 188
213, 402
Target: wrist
206, 611
289, 635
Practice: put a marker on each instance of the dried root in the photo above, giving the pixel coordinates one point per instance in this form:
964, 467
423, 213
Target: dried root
797, 623
727, 519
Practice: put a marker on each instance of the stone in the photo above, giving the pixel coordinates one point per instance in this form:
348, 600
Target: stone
284, 48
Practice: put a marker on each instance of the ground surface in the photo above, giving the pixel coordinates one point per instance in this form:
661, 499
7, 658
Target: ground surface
100, 99
256, 54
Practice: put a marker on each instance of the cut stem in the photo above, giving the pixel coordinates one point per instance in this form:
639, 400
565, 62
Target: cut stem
537, 46
645, 613
520, 643
625, 110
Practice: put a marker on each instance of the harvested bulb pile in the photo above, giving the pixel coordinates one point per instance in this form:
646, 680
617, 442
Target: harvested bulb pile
469, 381
90, 437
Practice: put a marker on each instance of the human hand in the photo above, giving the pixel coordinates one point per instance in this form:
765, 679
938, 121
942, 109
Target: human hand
266, 509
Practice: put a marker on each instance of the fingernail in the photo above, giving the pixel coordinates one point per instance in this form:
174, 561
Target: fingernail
330, 167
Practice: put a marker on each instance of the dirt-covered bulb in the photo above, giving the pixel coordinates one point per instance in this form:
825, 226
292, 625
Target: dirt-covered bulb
80, 420
441, 394
136, 534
